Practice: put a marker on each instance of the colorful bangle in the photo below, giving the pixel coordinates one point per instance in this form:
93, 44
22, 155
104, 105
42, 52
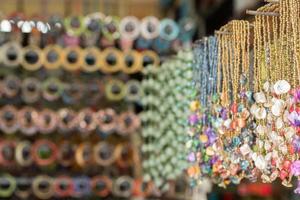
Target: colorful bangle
150, 27
91, 59
115, 90
82, 187
133, 91
52, 89
123, 187
87, 121
101, 186
111, 60
66, 154
124, 155
63, 186
129, 30
23, 188
75, 25
83, 155
168, 29
128, 123
42, 187
106, 120
132, 62
32, 58
23, 153
46, 121
12, 54
110, 28
31, 91
72, 93
73, 59
12, 85
53, 59
44, 152
93, 22
95, 91
27, 117
104, 154
141, 189
150, 58
8, 119
7, 185
67, 120
7, 153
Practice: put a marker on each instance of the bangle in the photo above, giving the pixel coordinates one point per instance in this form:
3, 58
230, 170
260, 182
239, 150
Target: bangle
12, 52
46, 121
23, 188
130, 27
168, 29
150, 58
124, 155
66, 154
32, 58
93, 22
72, 58
72, 93
101, 186
150, 27
83, 154
12, 86
133, 91
53, 58
52, 89
128, 123
132, 62
74, 25
67, 120
115, 90
106, 120
63, 186
8, 119
141, 189
82, 187
111, 60
7, 185
123, 187
7, 155
42, 187
87, 121
44, 152
23, 153
27, 117
31, 90
104, 154
95, 91
110, 28
91, 59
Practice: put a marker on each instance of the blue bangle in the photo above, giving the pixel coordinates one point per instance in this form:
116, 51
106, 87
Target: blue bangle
168, 29
82, 186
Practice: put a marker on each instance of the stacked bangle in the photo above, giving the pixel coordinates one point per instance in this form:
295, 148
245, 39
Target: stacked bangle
53, 58
8, 120
23, 154
104, 154
32, 58
66, 153
72, 93
11, 86
44, 152
106, 120
23, 188
74, 25
128, 123
123, 186
129, 28
169, 30
67, 120
12, 54
111, 28
72, 58
133, 91
87, 121
150, 28
31, 90
47, 121
124, 155
82, 186
83, 154
91, 60
63, 186
150, 58
27, 117
115, 90
132, 62
52, 89
42, 187
111, 60
7, 151
7, 185
101, 186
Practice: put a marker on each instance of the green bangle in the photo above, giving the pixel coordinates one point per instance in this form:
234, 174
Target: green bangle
71, 29
11, 181
111, 28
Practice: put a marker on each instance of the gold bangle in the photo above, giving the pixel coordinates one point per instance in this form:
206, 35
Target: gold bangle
111, 60
53, 58
104, 154
33, 58
91, 59
12, 52
44, 192
124, 155
83, 154
72, 58
150, 58
132, 62
115, 90
23, 153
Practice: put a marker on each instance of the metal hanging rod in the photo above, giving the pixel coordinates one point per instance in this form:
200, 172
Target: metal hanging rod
253, 12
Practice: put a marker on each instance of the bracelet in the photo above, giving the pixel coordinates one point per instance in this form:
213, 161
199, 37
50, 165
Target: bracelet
66, 154
111, 60
63, 186
91, 59
7, 185
150, 27
133, 91
52, 89
124, 155
93, 22
74, 25
73, 59
23, 188
46, 121
44, 152
23, 153
150, 58
141, 189
27, 117
95, 91
130, 28
72, 93
132, 62
106, 120
42, 187
168, 29
53, 59
33, 58
7, 150
104, 154
87, 121
31, 90
115, 90
67, 120
8, 119
110, 28
83, 155
82, 186
123, 187
128, 123
101, 186
12, 85
12, 52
